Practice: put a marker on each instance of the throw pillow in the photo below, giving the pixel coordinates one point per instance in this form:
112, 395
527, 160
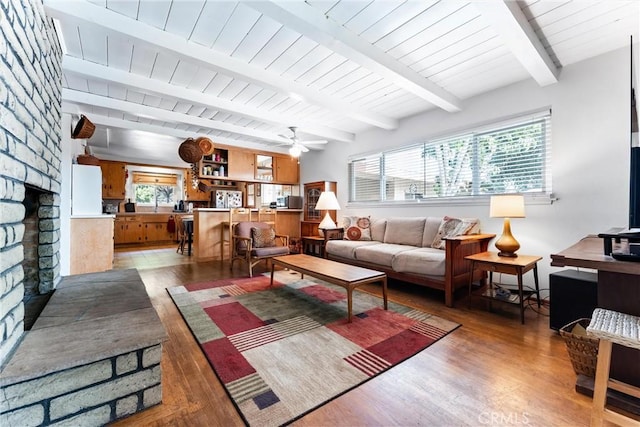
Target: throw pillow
356, 228
451, 227
263, 237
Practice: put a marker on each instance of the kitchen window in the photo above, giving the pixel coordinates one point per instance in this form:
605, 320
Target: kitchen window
508, 157
155, 189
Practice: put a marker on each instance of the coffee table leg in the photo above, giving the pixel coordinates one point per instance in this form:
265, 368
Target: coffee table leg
273, 267
384, 292
349, 302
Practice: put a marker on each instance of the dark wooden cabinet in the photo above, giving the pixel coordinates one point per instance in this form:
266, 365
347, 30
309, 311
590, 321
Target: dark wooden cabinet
312, 217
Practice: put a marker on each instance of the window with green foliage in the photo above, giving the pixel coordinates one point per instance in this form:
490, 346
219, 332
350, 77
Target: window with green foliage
156, 189
509, 157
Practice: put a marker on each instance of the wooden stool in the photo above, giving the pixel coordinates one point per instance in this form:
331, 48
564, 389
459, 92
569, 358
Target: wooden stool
623, 329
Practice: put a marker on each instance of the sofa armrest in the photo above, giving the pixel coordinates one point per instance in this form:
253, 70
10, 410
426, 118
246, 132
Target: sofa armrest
456, 249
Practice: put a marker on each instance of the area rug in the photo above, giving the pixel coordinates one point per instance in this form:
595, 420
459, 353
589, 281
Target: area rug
282, 351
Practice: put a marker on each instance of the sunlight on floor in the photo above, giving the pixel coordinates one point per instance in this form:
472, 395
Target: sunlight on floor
149, 257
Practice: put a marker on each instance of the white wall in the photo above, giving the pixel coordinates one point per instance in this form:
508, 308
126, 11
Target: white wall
590, 155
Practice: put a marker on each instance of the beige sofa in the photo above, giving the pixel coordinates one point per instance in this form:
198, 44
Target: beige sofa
404, 249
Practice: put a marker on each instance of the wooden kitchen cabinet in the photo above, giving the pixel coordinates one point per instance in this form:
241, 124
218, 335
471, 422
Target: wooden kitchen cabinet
287, 170
194, 194
113, 179
128, 229
155, 229
91, 248
241, 165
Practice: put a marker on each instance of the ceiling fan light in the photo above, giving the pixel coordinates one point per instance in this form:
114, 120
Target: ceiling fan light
295, 151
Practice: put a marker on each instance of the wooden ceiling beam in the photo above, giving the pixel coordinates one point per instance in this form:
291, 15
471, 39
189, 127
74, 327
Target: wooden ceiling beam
508, 20
306, 20
205, 57
154, 87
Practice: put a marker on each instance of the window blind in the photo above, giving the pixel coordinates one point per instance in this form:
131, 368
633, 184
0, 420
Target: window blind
512, 156
154, 178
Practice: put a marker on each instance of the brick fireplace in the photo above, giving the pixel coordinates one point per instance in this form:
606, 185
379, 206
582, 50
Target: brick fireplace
30, 162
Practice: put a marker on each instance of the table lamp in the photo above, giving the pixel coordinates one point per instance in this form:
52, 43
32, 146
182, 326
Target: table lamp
327, 201
507, 206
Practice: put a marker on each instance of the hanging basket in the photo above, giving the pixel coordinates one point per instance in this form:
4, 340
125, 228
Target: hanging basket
84, 128
189, 151
206, 145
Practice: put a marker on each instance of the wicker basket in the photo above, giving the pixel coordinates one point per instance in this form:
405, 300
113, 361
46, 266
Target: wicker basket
582, 349
84, 128
189, 151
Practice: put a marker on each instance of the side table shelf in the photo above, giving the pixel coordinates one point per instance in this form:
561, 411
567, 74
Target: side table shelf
517, 266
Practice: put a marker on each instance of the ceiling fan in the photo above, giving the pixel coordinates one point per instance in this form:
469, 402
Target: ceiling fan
298, 147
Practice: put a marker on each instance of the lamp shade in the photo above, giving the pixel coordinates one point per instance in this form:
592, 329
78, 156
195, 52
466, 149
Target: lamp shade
327, 201
507, 206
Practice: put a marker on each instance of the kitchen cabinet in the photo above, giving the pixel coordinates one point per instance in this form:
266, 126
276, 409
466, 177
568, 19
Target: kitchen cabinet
155, 229
91, 248
113, 180
264, 168
241, 165
287, 170
312, 217
194, 194
128, 229
215, 165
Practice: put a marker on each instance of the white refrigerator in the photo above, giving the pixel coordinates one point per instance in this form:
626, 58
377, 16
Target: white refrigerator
86, 190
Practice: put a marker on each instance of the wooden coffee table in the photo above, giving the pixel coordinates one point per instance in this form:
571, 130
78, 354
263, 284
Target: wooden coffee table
347, 276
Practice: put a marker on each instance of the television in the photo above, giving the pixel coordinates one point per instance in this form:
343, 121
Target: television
634, 184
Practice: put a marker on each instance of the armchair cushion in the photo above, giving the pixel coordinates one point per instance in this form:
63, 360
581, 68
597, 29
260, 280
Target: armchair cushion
263, 237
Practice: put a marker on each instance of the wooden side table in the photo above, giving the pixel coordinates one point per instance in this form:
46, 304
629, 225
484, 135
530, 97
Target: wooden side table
517, 266
314, 245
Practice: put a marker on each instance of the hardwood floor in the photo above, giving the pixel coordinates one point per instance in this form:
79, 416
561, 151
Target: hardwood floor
490, 371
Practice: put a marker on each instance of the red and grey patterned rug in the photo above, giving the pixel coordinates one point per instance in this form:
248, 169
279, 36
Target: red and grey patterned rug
283, 351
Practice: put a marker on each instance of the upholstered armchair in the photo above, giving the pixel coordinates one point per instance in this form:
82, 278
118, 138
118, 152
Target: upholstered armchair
253, 241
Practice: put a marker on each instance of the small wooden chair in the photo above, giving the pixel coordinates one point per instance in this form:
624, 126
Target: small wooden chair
623, 329
180, 234
253, 241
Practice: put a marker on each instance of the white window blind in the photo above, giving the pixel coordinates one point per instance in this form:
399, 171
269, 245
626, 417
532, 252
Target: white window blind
508, 157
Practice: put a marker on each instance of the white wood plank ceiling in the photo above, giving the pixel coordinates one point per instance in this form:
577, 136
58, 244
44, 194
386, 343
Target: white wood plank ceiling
150, 73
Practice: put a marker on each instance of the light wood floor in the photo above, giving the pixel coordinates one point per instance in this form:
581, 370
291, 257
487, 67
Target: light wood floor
490, 371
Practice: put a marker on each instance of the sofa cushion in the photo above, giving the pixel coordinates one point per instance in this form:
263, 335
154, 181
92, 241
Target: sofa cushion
378, 227
404, 231
263, 237
381, 254
431, 227
451, 227
346, 248
356, 228
425, 261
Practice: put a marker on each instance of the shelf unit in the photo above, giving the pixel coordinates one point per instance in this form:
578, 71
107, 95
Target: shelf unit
215, 165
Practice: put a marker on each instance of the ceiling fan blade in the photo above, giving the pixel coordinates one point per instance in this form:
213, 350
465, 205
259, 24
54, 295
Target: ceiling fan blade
303, 148
284, 136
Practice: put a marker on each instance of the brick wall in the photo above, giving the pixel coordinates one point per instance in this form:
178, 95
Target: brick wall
30, 135
88, 395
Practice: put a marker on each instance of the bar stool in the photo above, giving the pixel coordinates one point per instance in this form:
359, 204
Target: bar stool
623, 329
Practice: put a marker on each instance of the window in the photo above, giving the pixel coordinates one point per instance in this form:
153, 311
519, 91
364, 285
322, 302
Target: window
155, 189
510, 157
